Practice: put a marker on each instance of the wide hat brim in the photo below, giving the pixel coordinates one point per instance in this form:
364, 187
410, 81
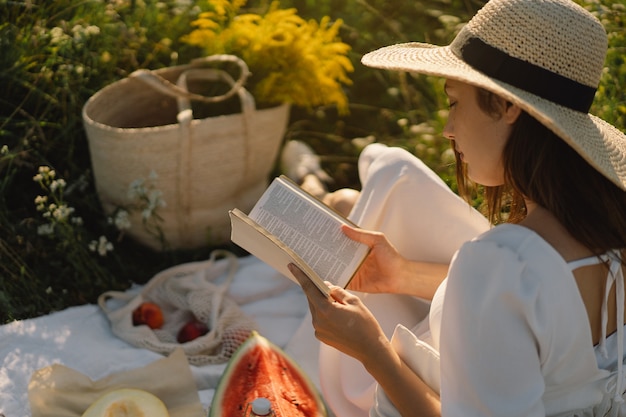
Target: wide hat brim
598, 142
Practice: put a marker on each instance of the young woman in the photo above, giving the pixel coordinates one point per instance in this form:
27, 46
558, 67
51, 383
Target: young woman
530, 318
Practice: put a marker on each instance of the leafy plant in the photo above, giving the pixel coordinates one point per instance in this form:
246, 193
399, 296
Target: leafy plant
610, 100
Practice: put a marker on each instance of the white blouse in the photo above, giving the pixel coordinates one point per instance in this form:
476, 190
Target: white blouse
512, 333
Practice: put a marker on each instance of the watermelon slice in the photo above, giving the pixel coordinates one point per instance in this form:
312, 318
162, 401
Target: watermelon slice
260, 369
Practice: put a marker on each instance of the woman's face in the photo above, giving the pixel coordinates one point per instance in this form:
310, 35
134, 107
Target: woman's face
478, 137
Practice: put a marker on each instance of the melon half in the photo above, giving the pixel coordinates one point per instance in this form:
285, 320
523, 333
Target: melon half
260, 369
127, 402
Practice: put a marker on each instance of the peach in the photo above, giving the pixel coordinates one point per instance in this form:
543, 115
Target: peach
149, 314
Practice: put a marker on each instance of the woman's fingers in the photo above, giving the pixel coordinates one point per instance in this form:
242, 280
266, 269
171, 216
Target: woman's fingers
343, 322
337, 293
367, 237
300, 276
309, 288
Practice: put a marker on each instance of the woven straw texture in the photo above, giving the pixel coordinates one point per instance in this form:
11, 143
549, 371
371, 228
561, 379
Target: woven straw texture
203, 167
183, 292
556, 35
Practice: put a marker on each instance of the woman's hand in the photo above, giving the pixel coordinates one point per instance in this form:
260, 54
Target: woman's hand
342, 322
384, 270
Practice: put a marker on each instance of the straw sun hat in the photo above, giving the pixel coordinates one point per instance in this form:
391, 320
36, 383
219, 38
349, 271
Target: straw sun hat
544, 55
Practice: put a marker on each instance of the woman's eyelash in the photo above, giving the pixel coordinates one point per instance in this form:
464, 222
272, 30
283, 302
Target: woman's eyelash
451, 104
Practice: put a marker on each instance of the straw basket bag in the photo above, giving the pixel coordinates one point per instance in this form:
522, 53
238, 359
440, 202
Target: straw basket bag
142, 127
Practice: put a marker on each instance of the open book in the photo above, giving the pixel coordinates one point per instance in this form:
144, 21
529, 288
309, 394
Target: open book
288, 225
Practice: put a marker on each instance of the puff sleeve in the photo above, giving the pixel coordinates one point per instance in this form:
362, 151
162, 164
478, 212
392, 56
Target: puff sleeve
492, 314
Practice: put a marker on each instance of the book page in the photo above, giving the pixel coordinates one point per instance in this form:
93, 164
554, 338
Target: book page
268, 248
310, 229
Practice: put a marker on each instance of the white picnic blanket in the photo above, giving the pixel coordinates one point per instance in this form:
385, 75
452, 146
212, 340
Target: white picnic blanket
81, 338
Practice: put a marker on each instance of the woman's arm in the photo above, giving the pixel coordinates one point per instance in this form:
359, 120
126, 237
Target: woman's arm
408, 392
347, 325
386, 271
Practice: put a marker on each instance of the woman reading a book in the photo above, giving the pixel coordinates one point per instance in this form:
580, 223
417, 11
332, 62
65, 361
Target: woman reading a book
527, 317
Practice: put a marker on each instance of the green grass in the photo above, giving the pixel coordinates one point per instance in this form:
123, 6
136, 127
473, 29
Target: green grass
55, 56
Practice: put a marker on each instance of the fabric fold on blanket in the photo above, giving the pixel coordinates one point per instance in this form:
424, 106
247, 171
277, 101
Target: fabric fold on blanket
60, 391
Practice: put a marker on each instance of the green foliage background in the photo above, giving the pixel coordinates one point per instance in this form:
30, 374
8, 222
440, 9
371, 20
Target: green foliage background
55, 55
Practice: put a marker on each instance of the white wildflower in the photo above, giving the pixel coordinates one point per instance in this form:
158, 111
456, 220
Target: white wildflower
136, 189
4, 150
57, 184
62, 213
102, 246
448, 20
43, 174
443, 113
447, 156
148, 198
40, 202
122, 220
155, 199
45, 229
421, 129
361, 143
92, 30
57, 35
82, 32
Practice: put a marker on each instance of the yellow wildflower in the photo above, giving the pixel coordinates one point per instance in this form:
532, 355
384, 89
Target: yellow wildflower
291, 60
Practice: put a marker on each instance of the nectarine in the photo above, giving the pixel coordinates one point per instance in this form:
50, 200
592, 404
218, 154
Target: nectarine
192, 330
149, 314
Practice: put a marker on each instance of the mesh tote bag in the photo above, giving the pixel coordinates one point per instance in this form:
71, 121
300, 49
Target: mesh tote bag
195, 290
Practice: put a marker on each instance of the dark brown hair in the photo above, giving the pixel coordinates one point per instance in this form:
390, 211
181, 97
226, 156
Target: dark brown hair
542, 167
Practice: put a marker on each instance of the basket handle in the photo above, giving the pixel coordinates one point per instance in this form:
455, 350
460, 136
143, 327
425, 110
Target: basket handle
167, 87
185, 117
199, 267
248, 104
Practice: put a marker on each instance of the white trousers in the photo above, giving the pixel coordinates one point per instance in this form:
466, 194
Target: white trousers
425, 221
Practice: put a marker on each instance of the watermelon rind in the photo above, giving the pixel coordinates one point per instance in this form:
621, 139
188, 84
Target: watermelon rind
226, 382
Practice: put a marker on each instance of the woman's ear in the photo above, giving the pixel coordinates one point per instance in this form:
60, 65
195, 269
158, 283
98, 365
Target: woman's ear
511, 112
